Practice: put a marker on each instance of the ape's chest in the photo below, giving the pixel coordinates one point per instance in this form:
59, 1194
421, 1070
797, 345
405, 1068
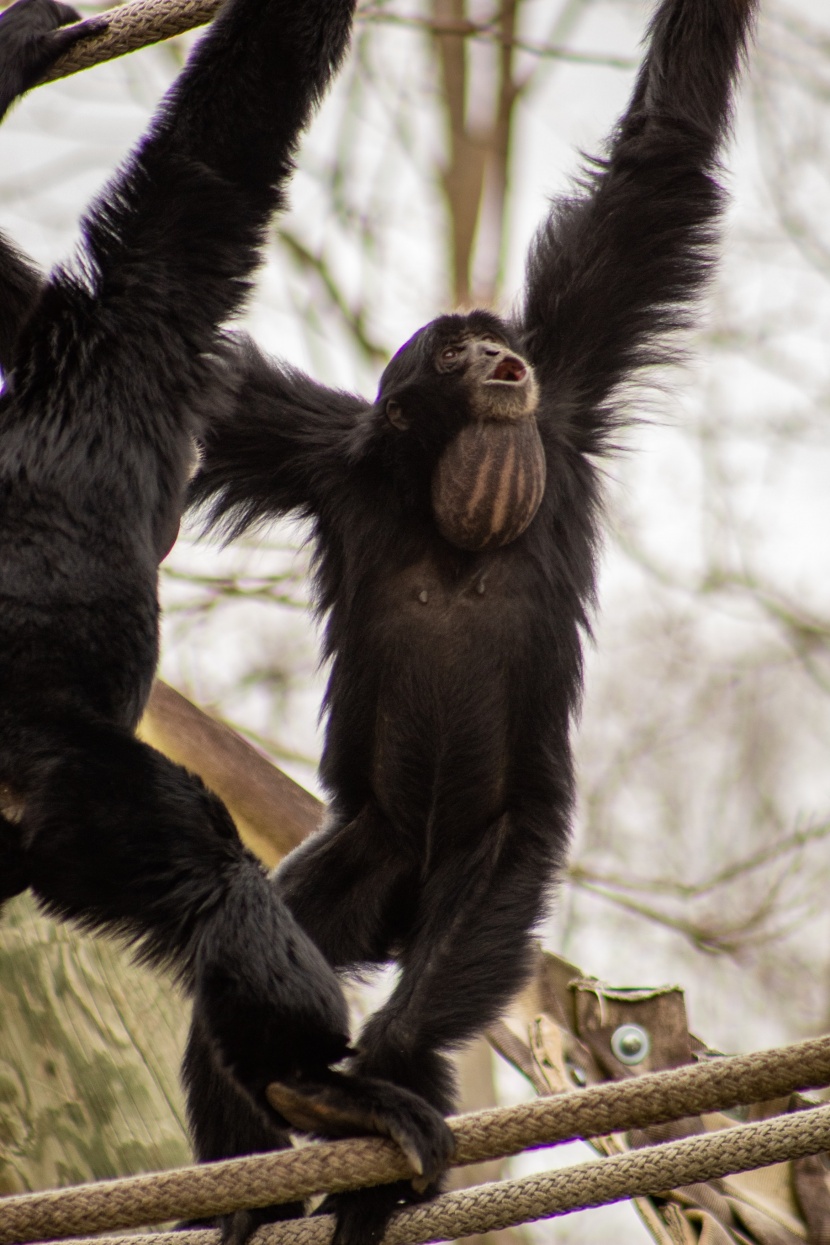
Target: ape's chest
442, 649
449, 606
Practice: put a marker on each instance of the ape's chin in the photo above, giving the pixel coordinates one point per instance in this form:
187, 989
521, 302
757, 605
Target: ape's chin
489, 483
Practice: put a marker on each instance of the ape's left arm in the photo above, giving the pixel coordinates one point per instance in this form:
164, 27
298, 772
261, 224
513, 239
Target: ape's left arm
615, 269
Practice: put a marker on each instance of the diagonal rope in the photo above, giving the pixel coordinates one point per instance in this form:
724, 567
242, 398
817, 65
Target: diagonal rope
289, 1175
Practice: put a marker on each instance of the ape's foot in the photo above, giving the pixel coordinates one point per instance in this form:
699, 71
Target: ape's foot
362, 1216
346, 1106
237, 1228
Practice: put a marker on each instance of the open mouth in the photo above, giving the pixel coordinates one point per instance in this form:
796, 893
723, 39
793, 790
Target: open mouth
509, 369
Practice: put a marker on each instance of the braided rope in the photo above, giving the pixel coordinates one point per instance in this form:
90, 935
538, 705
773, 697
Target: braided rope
131, 26
289, 1175
487, 1208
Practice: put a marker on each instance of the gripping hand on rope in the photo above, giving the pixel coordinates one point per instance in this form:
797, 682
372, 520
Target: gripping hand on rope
33, 36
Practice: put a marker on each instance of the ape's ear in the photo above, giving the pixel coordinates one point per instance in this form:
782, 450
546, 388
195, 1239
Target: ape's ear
396, 415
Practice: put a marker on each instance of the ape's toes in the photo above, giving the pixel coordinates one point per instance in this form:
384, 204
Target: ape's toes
346, 1106
13, 874
238, 1227
362, 1216
425, 1138
316, 1108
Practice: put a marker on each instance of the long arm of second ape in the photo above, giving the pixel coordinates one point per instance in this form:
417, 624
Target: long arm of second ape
178, 255
172, 240
180, 232
616, 268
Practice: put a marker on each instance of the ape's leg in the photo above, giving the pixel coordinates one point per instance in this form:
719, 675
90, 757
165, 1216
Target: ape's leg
464, 958
229, 1125
469, 951
354, 889
120, 839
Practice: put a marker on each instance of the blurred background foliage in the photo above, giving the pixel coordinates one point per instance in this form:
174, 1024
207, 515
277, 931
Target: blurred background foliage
700, 850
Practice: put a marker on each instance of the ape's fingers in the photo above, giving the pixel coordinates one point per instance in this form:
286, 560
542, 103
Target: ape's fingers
52, 45
66, 36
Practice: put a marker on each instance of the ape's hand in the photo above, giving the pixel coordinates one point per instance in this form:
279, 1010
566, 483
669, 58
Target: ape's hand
32, 39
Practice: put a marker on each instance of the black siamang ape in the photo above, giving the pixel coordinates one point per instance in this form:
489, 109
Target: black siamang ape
107, 366
456, 522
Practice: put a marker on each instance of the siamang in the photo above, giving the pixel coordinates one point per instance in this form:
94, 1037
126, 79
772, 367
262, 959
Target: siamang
111, 366
456, 525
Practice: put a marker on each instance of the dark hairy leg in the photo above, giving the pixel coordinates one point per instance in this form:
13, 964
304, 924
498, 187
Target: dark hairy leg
462, 960
232, 1126
118, 838
353, 888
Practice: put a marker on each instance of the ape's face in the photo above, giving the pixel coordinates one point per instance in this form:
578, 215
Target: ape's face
459, 387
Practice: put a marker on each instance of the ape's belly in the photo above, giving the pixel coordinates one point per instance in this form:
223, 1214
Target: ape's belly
447, 659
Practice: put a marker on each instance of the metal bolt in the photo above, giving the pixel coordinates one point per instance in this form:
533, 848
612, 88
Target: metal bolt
630, 1044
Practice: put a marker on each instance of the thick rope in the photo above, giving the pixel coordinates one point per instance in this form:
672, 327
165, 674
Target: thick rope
131, 26
491, 1207
289, 1175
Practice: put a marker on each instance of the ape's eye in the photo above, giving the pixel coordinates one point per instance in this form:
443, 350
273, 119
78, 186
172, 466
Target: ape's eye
395, 415
450, 353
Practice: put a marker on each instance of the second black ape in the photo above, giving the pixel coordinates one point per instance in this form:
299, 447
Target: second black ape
107, 366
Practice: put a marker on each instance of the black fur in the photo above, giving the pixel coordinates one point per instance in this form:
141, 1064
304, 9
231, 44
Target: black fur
447, 753
107, 363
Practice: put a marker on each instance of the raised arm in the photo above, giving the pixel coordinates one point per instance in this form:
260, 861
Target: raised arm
281, 444
175, 236
618, 266
179, 231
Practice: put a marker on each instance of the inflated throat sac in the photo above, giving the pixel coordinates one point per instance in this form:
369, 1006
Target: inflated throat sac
489, 483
